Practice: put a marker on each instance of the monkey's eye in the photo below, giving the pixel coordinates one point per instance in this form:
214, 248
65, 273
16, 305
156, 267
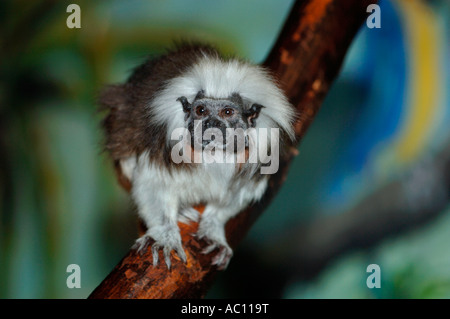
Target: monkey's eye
201, 110
228, 111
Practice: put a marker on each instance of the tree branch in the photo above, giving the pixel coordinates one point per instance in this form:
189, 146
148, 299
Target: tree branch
306, 58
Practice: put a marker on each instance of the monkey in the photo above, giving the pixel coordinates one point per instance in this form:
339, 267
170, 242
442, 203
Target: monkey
195, 88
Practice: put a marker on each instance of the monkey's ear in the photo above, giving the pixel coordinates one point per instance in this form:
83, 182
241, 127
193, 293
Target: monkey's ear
112, 97
186, 106
236, 98
200, 95
252, 113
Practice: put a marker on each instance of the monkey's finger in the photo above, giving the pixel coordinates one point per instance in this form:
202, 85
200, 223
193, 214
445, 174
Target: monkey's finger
141, 245
181, 253
222, 259
167, 251
209, 249
155, 253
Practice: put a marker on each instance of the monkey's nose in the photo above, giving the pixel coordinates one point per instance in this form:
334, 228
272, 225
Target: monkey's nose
212, 124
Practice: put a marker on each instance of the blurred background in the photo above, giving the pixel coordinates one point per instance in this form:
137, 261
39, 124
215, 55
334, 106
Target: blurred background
370, 185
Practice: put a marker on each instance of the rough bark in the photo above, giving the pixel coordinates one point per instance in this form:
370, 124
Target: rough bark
306, 58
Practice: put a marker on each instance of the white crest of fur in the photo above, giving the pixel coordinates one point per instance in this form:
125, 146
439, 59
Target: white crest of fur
220, 79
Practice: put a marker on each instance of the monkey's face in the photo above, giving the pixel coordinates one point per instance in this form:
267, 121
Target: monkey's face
218, 122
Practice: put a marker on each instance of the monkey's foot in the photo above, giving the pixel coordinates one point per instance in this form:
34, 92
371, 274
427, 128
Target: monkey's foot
223, 257
166, 238
216, 240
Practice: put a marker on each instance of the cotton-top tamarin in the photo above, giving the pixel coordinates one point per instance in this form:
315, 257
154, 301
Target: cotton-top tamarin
172, 128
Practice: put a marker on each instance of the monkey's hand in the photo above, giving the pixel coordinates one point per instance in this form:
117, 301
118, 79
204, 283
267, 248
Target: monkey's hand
166, 237
214, 234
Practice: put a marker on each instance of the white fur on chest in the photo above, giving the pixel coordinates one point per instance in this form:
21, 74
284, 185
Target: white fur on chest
208, 183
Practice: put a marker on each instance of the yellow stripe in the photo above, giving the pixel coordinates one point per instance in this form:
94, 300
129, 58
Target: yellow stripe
421, 30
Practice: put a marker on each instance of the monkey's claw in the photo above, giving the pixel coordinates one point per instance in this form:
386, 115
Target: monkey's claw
167, 243
141, 244
213, 233
223, 257
166, 252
